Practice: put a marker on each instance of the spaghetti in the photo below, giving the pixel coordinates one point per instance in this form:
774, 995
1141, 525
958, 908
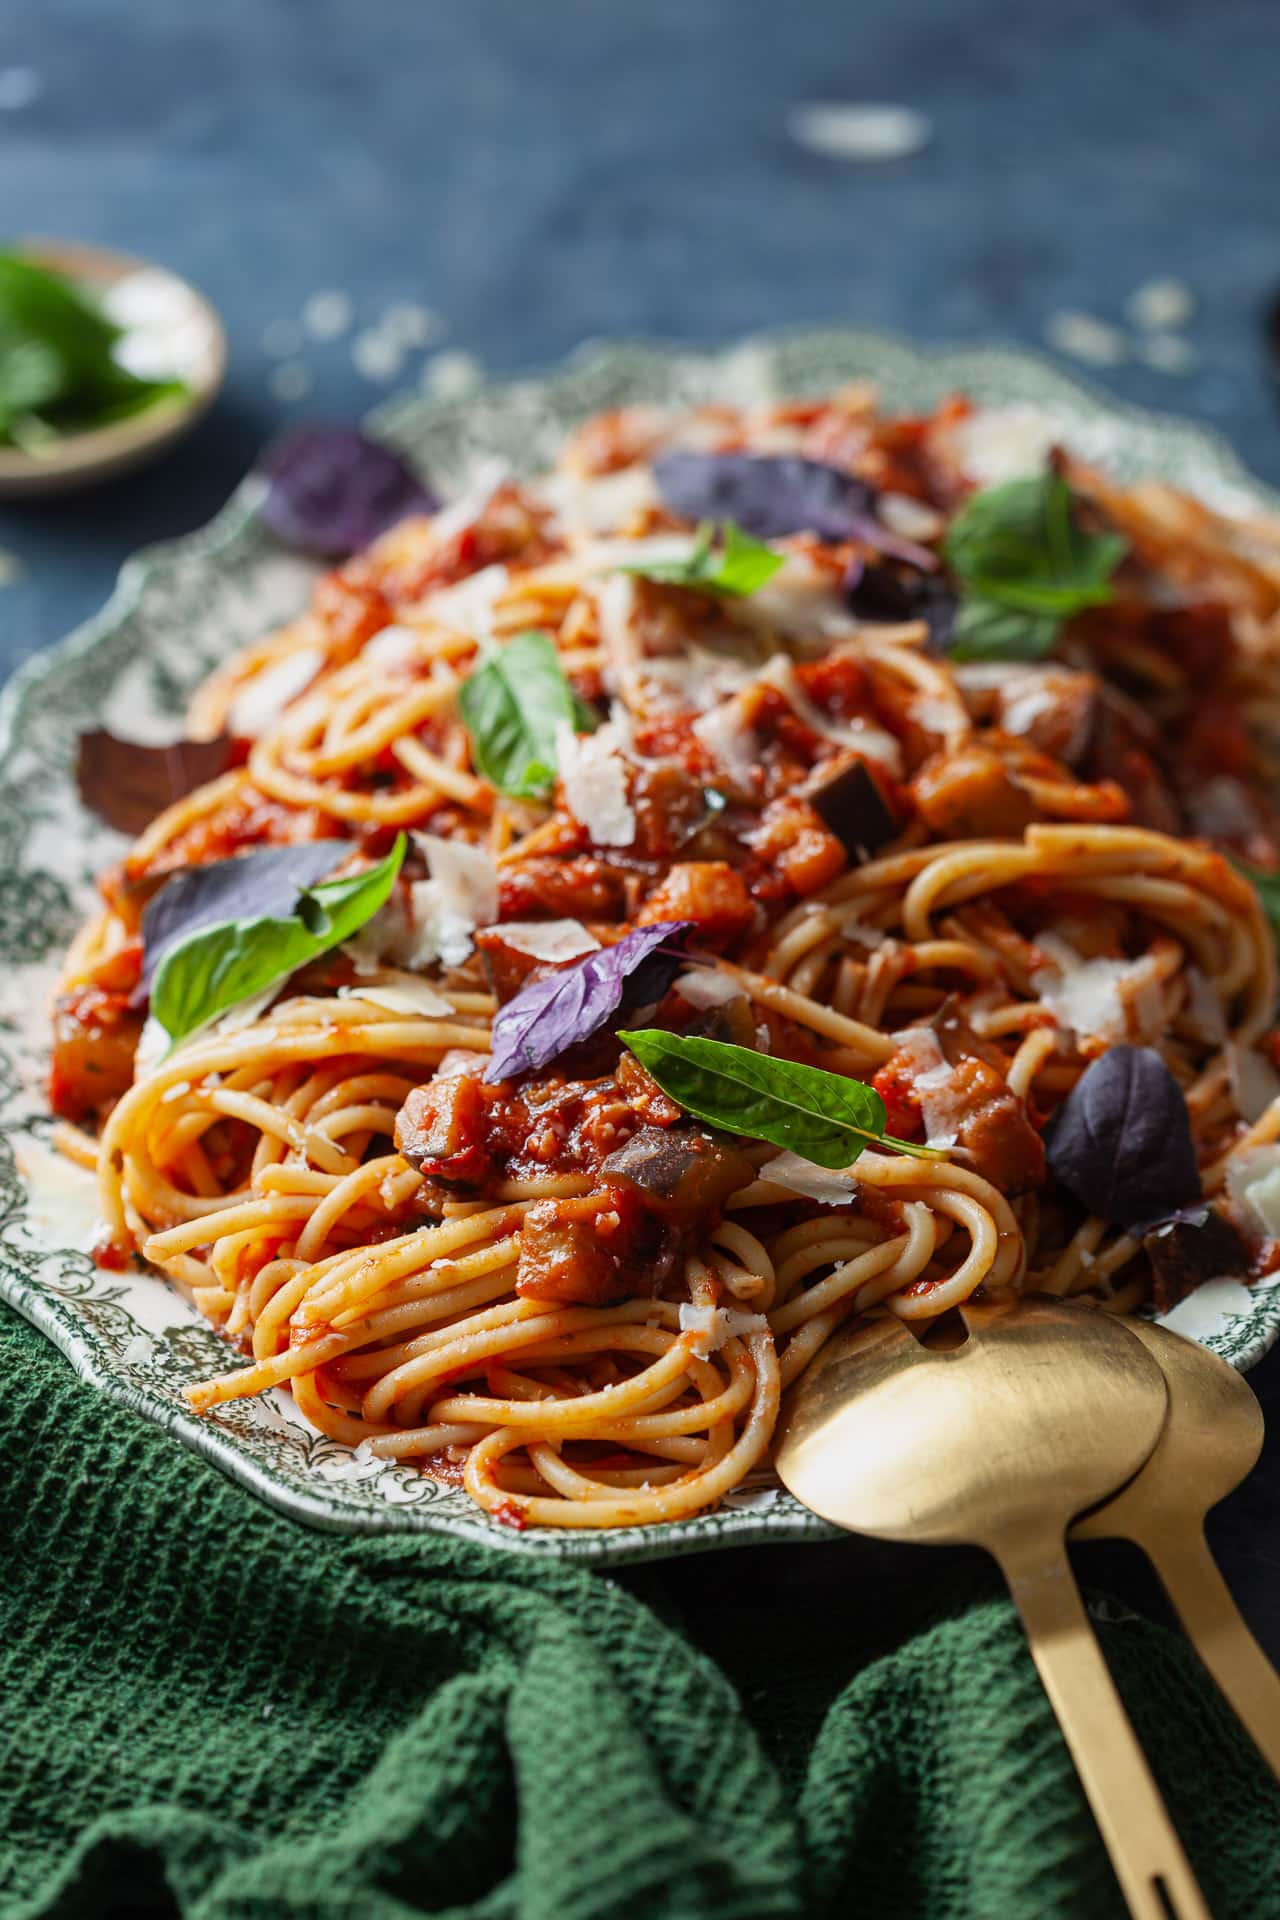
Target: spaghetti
963, 883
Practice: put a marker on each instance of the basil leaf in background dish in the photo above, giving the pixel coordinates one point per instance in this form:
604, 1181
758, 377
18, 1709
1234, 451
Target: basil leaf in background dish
986, 630
1017, 548
58, 371
513, 705
215, 968
822, 1116
574, 1002
769, 495
735, 568
332, 490
264, 884
1121, 1140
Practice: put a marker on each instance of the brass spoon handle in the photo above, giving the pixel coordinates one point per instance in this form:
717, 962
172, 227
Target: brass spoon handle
1153, 1871
1219, 1635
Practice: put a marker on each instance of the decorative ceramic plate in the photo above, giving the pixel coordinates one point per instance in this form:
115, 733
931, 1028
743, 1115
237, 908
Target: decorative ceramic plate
183, 607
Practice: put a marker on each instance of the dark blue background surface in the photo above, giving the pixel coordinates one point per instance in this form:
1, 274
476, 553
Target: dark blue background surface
541, 171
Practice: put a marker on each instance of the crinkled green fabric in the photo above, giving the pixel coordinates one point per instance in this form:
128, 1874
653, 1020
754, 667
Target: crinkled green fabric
206, 1709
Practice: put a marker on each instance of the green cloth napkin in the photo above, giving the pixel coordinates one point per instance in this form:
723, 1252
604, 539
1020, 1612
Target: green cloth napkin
207, 1709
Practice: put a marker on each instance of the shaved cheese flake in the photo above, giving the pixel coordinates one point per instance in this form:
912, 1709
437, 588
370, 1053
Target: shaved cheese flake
402, 993
909, 518
1253, 1181
699, 677
800, 601
710, 1327
593, 775
1203, 1012
707, 987
1254, 1081
445, 910
730, 740
860, 734
458, 1060
262, 700
798, 1175
547, 939
468, 605
1103, 999
470, 505
938, 716
393, 647
599, 502
933, 1081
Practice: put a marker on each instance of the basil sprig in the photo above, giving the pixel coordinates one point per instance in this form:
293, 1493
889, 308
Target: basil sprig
218, 966
58, 370
1025, 566
513, 705
822, 1116
735, 568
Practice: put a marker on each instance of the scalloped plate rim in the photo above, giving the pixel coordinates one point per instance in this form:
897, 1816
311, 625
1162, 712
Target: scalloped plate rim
56, 1318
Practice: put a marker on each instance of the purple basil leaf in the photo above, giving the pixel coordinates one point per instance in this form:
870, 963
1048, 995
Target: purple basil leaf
1121, 1140
574, 1002
876, 592
249, 886
331, 490
769, 495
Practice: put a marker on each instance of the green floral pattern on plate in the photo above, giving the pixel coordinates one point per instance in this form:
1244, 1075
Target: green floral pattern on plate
181, 608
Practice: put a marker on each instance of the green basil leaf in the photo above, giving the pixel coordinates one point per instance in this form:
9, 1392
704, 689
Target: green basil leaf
985, 630
823, 1116
218, 966
1266, 886
1019, 544
1025, 566
735, 569
58, 372
513, 706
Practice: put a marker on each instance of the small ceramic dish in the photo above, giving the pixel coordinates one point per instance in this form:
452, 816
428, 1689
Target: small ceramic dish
172, 331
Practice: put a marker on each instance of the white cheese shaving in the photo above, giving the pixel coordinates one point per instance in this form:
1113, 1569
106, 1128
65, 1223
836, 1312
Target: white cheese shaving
857, 733
909, 518
707, 987
800, 601
599, 502
798, 1175
615, 598
393, 647
262, 700
467, 606
593, 775
470, 504
1203, 1012
698, 677
933, 1083
938, 716
403, 993
460, 895
710, 1327
461, 1060
1004, 443
851, 927
1253, 1181
1254, 1081
1104, 999
547, 939
730, 740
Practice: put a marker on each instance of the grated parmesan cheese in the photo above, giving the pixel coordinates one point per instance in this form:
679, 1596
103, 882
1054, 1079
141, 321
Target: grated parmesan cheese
1254, 1081
593, 775
730, 740
471, 504
393, 647
599, 502
860, 734
933, 1083
1103, 999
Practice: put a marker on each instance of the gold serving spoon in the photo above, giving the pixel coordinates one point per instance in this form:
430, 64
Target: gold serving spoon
1000, 1443
1211, 1439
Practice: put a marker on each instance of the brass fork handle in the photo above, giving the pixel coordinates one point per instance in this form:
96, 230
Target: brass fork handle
1217, 1631
1154, 1874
